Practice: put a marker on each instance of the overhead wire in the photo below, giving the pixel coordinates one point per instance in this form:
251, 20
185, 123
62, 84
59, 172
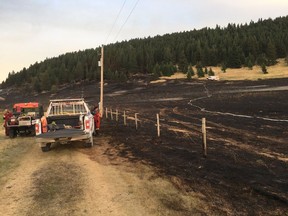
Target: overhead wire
136, 3
115, 21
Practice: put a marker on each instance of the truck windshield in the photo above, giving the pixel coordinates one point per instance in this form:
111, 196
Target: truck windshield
30, 110
27, 111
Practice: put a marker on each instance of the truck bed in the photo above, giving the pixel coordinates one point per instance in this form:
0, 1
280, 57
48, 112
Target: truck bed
71, 120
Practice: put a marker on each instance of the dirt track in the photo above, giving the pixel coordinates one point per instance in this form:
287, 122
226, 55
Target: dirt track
72, 180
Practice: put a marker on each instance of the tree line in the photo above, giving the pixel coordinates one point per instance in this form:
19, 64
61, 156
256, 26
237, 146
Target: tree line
244, 45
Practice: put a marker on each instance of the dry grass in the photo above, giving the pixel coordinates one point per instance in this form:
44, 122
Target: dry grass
1, 119
280, 70
11, 154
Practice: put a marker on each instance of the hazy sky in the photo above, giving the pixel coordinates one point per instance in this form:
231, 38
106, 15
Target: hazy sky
31, 30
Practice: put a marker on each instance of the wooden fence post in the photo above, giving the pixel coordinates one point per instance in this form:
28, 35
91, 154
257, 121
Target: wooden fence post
106, 113
136, 121
158, 125
124, 116
204, 137
111, 114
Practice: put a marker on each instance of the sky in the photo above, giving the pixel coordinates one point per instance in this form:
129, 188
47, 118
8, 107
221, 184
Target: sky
33, 30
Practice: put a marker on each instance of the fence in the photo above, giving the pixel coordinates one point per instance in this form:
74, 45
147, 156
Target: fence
133, 120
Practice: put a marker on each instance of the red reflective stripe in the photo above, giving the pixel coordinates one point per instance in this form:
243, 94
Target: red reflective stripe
87, 124
37, 128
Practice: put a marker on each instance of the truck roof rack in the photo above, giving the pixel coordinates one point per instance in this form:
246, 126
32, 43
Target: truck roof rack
71, 99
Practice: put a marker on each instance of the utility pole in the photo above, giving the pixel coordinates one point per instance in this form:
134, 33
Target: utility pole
101, 82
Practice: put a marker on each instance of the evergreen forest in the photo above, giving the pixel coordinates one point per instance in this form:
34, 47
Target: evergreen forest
234, 46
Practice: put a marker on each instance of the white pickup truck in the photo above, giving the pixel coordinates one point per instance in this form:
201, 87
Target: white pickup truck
212, 78
67, 120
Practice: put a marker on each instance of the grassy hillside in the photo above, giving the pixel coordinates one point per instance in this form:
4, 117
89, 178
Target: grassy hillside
280, 70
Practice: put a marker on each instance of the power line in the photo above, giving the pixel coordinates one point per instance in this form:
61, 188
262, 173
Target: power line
126, 19
115, 21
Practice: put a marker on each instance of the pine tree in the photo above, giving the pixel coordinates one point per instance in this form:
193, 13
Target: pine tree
262, 60
234, 57
167, 55
271, 53
45, 81
264, 69
156, 71
211, 72
249, 62
191, 70
36, 84
223, 67
189, 75
182, 61
200, 72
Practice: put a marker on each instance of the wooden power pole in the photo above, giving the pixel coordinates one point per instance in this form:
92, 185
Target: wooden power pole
102, 80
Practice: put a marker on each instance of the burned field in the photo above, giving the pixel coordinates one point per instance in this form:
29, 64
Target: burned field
245, 171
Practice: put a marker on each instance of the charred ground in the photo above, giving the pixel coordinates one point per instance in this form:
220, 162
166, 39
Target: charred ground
245, 172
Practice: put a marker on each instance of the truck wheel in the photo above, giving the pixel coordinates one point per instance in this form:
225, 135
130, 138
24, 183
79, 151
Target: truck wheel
12, 133
33, 132
46, 148
89, 144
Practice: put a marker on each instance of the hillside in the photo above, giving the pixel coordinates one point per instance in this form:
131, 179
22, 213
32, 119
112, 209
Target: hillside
234, 46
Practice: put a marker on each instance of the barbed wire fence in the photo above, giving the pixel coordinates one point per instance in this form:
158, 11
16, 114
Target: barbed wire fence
157, 126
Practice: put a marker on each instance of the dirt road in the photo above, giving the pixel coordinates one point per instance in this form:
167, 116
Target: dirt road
72, 180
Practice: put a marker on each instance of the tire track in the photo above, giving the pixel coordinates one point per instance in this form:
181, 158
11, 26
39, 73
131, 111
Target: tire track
208, 95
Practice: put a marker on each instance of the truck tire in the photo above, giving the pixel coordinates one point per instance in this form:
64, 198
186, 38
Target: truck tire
89, 143
12, 133
46, 148
33, 132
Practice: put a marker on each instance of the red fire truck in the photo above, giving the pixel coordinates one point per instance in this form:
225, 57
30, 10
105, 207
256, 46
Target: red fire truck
24, 118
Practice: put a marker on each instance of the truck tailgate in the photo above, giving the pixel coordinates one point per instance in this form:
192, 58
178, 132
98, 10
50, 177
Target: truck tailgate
63, 133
